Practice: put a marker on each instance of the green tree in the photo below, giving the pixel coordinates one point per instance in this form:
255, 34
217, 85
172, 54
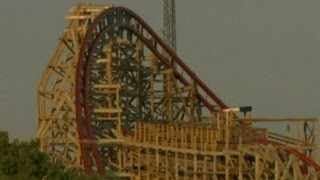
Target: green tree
23, 160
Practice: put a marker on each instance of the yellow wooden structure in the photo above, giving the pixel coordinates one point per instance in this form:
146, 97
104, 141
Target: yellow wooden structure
110, 100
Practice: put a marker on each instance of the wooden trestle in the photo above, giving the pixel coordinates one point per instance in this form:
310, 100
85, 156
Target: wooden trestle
110, 100
185, 151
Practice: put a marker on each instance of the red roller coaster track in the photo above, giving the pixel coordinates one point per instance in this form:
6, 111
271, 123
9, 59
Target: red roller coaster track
289, 150
91, 37
123, 18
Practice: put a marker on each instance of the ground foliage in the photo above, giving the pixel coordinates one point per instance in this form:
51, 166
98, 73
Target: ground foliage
23, 160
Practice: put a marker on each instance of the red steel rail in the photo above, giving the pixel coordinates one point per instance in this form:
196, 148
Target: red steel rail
290, 150
92, 35
153, 42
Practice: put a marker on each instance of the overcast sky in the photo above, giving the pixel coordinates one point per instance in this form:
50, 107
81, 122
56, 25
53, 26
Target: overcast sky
250, 52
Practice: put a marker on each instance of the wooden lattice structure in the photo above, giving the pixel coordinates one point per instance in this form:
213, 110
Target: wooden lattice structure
111, 100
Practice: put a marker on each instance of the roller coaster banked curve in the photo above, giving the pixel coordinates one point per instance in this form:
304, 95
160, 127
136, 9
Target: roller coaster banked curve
97, 29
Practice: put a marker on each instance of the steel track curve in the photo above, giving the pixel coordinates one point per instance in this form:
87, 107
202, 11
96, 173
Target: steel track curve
92, 36
123, 18
307, 161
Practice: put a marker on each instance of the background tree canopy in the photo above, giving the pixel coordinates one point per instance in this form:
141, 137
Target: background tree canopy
23, 160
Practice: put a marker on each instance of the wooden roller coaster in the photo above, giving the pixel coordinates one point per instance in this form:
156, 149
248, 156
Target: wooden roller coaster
112, 100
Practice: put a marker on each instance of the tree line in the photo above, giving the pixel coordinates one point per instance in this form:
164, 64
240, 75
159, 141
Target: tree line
23, 160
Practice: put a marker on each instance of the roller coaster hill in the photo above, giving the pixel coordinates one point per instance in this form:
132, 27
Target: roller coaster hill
115, 98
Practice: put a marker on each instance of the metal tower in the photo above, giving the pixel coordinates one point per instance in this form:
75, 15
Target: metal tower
169, 24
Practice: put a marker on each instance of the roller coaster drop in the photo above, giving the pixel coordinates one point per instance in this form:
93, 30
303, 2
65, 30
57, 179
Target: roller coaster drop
112, 100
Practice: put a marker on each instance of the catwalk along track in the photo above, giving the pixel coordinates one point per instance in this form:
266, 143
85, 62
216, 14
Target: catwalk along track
114, 99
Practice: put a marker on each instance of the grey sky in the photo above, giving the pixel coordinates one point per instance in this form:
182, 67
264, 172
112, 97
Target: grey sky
250, 52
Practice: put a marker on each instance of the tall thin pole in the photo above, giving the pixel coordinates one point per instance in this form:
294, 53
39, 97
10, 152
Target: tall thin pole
169, 24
